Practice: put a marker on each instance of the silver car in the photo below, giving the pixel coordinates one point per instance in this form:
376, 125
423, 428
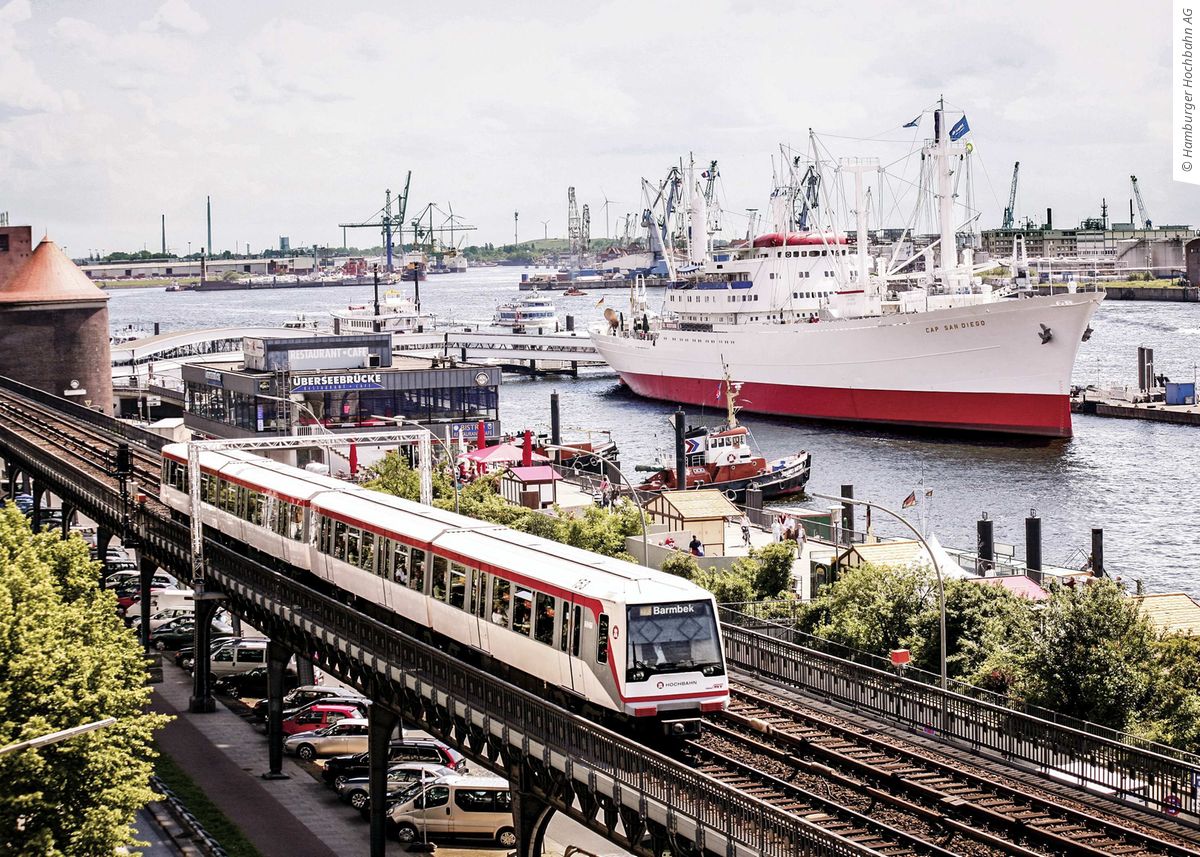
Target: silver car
356, 791
348, 735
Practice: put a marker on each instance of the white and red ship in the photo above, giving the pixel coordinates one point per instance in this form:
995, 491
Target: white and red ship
811, 328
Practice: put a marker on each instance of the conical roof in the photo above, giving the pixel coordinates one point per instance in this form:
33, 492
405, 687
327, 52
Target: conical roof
48, 276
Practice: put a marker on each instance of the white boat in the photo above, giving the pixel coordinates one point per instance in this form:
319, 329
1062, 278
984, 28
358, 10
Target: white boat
395, 314
809, 330
530, 311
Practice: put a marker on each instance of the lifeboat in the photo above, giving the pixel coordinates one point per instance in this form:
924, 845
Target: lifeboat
791, 239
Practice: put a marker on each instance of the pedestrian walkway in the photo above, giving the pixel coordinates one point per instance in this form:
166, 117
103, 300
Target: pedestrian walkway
225, 756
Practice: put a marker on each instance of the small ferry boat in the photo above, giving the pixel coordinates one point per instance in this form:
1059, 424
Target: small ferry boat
531, 311
395, 314
722, 458
574, 292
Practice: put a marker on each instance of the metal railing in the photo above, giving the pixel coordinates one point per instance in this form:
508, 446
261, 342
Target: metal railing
1155, 776
87, 415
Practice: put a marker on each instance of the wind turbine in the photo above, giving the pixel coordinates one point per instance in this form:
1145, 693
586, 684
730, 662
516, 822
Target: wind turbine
607, 202
545, 229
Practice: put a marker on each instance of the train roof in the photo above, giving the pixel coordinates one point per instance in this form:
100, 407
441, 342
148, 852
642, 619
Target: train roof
364, 509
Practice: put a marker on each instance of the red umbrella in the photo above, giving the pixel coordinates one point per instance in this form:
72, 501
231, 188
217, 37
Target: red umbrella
481, 441
527, 449
353, 459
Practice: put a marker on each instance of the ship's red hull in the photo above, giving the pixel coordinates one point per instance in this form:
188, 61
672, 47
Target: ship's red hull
1010, 413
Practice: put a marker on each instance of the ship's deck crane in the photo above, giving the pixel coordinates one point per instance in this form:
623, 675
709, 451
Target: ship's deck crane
711, 203
666, 195
1141, 206
808, 197
1009, 211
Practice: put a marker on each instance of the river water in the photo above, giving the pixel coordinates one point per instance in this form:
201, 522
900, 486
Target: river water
1140, 481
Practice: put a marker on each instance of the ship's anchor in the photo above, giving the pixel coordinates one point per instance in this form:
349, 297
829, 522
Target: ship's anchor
1046, 334
1087, 334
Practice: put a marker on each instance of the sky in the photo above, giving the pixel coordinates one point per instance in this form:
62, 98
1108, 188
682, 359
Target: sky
296, 116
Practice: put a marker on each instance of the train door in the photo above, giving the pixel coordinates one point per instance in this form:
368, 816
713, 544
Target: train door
480, 610
583, 630
562, 645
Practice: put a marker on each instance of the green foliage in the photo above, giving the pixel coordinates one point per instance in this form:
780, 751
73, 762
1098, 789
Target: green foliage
726, 586
681, 564
770, 570
1089, 658
65, 660
873, 609
1172, 713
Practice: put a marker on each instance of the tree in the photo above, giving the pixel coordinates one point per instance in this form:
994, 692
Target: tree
681, 564
1090, 658
872, 608
769, 570
1172, 714
66, 659
727, 587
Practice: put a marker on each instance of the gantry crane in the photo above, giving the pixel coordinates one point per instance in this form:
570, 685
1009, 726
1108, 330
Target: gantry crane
1010, 211
387, 221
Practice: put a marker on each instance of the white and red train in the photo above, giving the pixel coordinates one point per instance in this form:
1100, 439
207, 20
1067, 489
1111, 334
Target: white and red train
618, 636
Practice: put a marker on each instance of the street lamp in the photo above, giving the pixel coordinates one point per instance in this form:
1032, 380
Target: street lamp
449, 452
55, 737
932, 556
632, 489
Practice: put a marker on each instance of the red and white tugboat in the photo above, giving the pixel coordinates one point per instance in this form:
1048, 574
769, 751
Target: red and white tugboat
723, 458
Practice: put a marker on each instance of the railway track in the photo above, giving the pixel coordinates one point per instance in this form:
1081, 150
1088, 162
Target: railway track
93, 447
974, 809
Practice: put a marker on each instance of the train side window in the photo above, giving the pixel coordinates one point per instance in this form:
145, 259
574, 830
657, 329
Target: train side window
501, 595
353, 536
458, 585
339, 540
576, 628
522, 610
416, 573
543, 624
296, 525
602, 639
367, 560
439, 578
400, 563
564, 627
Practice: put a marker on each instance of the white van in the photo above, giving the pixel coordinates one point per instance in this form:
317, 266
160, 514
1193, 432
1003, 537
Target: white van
455, 806
167, 599
239, 657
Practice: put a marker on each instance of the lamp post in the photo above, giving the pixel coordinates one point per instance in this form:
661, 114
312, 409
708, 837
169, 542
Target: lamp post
449, 452
933, 558
55, 737
632, 489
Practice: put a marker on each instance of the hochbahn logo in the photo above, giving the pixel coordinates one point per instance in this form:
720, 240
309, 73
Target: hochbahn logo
328, 383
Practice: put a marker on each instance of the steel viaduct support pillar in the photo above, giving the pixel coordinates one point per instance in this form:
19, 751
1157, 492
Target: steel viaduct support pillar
278, 657
202, 701
104, 538
39, 493
531, 816
381, 727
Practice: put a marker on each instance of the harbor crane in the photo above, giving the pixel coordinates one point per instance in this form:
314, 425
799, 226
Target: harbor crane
585, 229
574, 225
387, 221
1010, 210
1141, 206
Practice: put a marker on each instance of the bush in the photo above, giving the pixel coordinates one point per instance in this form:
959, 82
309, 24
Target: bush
681, 564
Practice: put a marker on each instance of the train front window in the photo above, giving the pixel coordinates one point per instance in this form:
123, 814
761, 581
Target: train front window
677, 637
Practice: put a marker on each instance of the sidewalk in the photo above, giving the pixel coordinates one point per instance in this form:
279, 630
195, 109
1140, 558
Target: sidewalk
225, 756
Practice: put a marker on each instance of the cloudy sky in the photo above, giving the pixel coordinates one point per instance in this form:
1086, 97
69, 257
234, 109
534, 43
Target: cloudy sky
296, 116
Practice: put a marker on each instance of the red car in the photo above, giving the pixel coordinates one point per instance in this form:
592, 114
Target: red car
318, 716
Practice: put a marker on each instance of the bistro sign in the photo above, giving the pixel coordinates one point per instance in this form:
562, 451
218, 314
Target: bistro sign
333, 383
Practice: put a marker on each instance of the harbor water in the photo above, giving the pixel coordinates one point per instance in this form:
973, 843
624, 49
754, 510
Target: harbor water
1140, 481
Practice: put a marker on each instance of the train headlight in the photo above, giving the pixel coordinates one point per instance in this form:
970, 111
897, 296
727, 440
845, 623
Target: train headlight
678, 728
711, 670
637, 675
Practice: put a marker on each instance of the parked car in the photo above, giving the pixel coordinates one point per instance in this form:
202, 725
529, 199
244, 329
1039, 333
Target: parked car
117, 564
252, 683
357, 791
297, 699
181, 631
341, 768
185, 656
239, 657
318, 716
129, 593
455, 806
116, 578
24, 502
347, 734
159, 617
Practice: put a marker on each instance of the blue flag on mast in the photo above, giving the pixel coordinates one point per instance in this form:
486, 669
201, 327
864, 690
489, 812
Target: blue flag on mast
914, 123
960, 128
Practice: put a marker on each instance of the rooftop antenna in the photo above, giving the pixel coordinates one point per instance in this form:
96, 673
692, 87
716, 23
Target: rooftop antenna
208, 206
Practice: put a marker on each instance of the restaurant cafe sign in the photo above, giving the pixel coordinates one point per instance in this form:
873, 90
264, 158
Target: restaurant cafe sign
334, 382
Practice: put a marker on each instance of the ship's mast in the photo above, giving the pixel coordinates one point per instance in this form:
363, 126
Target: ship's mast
948, 254
731, 394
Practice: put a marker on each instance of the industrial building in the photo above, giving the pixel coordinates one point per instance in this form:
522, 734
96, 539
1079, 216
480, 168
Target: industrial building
337, 384
214, 269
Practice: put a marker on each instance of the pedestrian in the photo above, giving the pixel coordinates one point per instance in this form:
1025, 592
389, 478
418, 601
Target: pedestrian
695, 546
801, 538
777, 528
745, 530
